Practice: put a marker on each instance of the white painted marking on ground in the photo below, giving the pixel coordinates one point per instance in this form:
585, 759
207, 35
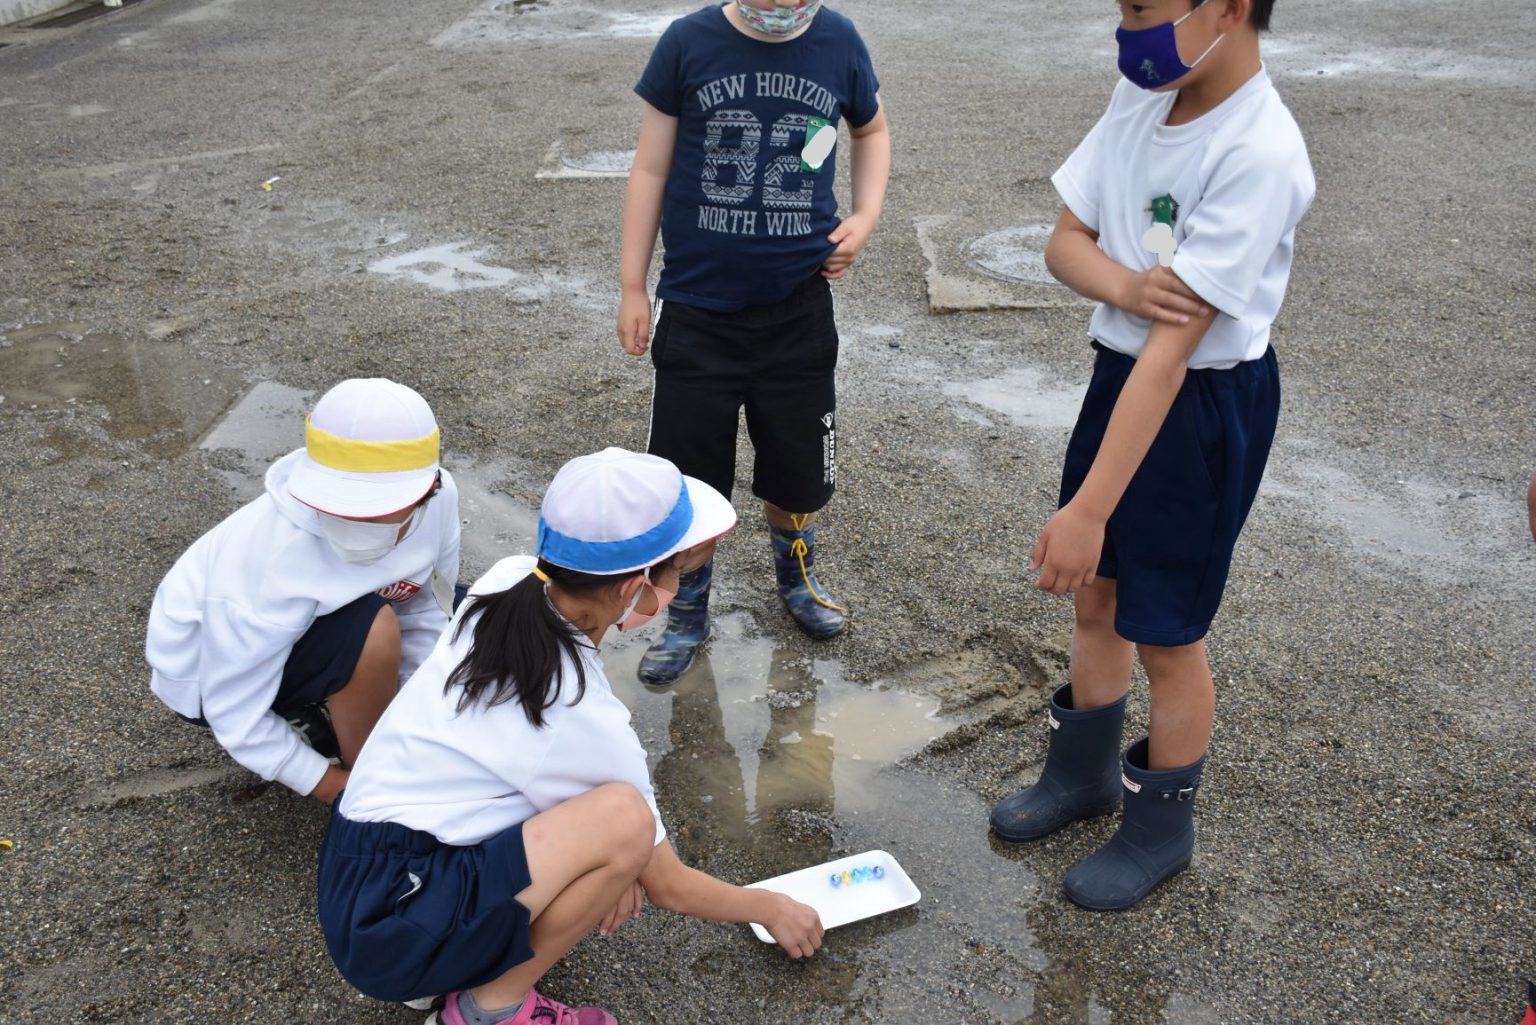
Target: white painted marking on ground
1025, 396
497, 23
447, 268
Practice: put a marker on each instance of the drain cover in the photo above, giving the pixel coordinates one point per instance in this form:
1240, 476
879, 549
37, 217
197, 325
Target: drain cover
1013, 254
75, 15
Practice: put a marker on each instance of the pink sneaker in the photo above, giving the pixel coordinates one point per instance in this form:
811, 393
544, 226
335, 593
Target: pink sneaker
537, 1009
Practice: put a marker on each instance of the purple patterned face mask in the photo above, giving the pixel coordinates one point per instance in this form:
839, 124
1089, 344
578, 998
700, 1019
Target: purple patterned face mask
780, 21
1149, 57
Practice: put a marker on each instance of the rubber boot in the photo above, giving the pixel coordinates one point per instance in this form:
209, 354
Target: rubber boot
687, 627
1080, 779
1154, 843
794, 562
1530, 1004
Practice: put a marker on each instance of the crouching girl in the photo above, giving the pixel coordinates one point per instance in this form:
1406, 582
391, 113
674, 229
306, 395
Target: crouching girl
502, 809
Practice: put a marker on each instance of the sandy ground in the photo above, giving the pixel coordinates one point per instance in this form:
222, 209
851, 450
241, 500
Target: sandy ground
1366, 829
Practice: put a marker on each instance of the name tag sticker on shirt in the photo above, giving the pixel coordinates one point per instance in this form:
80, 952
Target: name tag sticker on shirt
820, 137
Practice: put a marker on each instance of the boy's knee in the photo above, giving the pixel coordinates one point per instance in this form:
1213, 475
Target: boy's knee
1094, 606
1170, 661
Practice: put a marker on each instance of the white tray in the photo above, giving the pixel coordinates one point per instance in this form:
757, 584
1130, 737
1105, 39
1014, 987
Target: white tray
846, 903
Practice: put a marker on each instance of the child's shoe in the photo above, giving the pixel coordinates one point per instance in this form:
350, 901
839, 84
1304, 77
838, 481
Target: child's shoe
537, 1009
1154, 843
1530, 993
687, 628
794, 558
1080, 779
313, 725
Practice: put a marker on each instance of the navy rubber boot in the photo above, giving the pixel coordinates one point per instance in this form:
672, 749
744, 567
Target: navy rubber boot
687, 628
794, 562
1154, 843
1080, 779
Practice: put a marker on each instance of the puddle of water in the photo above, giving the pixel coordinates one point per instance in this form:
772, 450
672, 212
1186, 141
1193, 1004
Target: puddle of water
755, 733
1025, 396
149, 392
1013, 254
501, 21
266, 423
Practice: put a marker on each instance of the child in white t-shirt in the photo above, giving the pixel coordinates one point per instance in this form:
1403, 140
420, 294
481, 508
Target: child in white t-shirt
502, 807
1181, 210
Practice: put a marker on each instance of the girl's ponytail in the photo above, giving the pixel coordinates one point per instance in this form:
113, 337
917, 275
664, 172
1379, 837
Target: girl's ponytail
518, 642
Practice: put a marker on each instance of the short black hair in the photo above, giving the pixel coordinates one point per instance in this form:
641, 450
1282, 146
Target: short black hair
1259, 15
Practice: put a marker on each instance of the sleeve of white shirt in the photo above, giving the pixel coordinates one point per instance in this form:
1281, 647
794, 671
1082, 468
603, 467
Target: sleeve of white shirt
1078, 180
590, 743
239, 669
1252, 201
422, 619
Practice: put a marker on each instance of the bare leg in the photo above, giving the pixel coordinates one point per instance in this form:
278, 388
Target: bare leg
787, 520
582, 856
355, 709
1101, 658
1183, 704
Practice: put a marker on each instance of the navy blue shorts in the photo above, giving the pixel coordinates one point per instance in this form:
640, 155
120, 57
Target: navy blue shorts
1168, 545
323, 660
407, 916
778, 361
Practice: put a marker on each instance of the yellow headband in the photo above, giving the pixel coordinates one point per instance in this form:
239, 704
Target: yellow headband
352, 456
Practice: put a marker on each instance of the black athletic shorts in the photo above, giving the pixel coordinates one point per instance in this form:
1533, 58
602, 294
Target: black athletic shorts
777, 360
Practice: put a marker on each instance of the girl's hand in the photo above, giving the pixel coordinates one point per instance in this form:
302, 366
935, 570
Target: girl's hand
1067, 554
795, 926
1159, 294
849, 237
635, 321
628, 907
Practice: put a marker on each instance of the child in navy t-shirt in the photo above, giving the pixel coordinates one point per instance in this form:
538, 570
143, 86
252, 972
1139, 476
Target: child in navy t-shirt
735, 165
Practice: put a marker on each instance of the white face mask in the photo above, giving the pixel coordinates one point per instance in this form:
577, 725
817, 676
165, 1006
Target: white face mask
358, 542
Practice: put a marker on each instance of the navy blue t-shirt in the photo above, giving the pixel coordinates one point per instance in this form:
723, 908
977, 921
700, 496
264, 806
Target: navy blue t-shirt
741, 224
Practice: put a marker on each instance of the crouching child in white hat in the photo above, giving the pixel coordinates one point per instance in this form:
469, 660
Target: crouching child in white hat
502, 808
297, 618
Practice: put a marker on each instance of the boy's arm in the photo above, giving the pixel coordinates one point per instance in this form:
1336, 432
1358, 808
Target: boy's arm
1068, 551
871, 172
674, 886
642, 219
1074, 258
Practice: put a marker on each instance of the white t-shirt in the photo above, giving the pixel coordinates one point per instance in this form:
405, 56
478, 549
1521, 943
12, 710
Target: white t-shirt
1241, 180
464, 777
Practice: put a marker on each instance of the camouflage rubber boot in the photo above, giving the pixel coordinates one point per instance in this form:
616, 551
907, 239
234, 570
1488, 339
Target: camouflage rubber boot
687, 627
794, 562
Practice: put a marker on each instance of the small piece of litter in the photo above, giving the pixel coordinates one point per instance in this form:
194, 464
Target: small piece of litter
266, 186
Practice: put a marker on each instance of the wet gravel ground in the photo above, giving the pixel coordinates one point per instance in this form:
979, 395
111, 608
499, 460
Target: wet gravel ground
1367, 836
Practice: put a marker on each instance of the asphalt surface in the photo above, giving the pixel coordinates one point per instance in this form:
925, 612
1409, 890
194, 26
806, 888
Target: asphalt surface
1367, 836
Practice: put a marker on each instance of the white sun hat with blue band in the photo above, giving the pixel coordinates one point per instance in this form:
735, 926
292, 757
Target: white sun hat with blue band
617, 511
370, 449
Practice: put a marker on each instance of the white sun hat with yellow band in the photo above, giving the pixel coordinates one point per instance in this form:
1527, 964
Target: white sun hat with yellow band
370, 449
